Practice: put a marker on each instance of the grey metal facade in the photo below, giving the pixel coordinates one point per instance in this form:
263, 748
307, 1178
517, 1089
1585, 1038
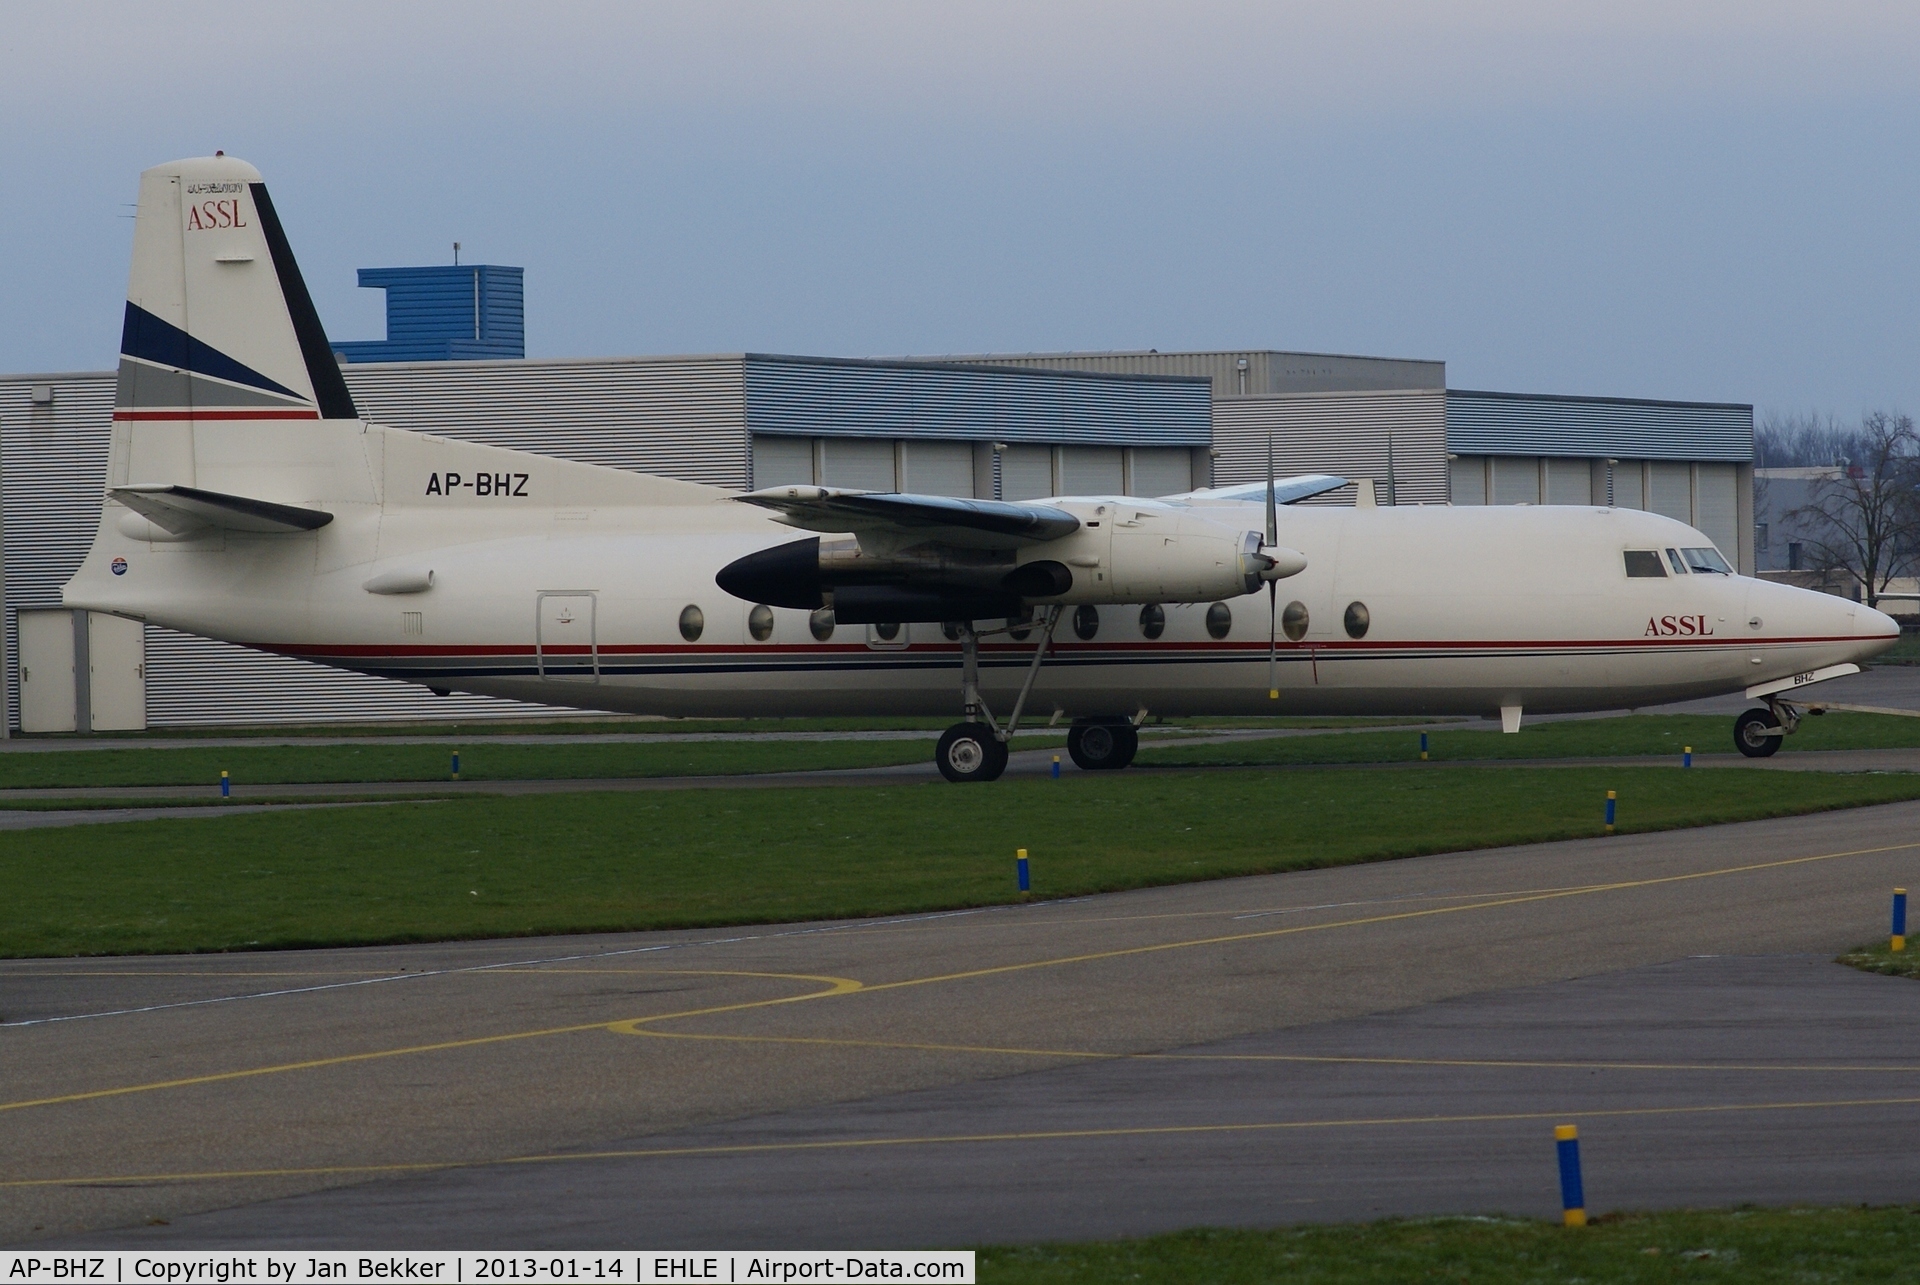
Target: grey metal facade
1692, 461
1245, 372
1398, 439
816, 397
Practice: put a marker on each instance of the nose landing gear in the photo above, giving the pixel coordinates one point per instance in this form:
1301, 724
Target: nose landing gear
1757, 733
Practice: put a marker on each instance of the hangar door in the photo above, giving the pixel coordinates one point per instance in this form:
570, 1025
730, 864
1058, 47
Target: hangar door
116, 673
49, 696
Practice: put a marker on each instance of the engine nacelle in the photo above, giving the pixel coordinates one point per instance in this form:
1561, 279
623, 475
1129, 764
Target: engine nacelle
1124, 553
1121, 553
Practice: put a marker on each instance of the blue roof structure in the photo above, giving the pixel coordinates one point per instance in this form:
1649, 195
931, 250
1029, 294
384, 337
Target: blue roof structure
464, 312
1481, 423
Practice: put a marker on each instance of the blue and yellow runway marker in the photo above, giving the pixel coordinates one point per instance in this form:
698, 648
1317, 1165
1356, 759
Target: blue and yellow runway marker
1573, 1199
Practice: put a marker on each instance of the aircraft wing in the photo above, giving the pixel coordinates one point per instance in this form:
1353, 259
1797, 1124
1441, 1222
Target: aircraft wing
939, 518
1286, 490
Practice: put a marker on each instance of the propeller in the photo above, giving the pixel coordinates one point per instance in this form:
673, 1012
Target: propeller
1273, 586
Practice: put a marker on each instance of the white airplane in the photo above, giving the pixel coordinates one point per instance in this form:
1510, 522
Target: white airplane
247, 500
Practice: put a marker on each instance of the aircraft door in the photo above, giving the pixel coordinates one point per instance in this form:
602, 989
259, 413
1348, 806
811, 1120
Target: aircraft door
564, 641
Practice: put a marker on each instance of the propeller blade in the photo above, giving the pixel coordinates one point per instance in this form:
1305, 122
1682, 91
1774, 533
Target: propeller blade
1273, 510
1273, 639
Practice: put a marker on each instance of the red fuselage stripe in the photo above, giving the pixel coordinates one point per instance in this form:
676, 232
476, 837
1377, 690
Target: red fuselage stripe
803, 649
215, 414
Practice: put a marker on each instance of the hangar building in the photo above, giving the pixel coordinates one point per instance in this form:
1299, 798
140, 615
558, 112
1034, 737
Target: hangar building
1006, 426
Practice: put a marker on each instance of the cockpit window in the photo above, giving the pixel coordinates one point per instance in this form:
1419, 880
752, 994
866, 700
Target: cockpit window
1645, 564
1673, 560
1707, 560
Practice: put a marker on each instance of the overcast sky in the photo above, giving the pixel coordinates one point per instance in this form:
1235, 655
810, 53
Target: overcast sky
1707, 200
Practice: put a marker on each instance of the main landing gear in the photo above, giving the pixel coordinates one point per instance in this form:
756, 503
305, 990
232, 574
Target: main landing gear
1757, 732
976, 750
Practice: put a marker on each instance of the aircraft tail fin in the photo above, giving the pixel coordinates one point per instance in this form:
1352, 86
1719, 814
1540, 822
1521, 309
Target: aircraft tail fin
219, 325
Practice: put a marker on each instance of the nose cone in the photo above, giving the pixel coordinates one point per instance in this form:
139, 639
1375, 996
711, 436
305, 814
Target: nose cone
1877, 630
1840, 629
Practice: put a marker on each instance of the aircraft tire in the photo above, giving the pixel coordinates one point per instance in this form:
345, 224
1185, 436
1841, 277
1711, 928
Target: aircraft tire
1750, 733
970, 752
1102, 747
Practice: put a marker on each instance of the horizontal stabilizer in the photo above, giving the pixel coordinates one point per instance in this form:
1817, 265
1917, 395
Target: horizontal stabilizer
818, 508
183, 509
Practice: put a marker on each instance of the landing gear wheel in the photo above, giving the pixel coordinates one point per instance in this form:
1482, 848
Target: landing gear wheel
1756, 733
970, 752
1102, 747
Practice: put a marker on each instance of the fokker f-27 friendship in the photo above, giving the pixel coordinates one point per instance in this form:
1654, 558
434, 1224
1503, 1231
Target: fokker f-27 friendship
248, 500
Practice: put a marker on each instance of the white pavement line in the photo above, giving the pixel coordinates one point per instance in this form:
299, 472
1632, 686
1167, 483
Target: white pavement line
1342, 905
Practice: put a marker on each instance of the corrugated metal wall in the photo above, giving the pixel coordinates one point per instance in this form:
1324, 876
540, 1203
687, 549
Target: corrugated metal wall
1596, 427
54, 461
1249, 372
814, 397
1344, 433
681, 417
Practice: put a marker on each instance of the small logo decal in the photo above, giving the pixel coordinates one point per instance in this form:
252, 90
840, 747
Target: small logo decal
119, 566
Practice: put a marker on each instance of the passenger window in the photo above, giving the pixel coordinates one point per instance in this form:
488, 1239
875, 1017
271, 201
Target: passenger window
1644, 564
1707, 560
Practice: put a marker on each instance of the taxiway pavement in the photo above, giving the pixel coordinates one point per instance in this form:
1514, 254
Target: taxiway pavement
449, 1084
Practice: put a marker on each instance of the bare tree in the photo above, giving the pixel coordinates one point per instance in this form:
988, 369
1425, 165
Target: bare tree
1803, 441
1862, 519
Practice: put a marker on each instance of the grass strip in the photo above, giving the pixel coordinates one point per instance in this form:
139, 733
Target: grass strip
1753, 1246
1880, 957
510, 866
493, 760
666, 727
479, 761
1633, 734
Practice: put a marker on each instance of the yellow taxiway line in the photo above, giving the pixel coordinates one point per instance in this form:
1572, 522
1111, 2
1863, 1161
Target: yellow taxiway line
838, 986
1039, 1135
